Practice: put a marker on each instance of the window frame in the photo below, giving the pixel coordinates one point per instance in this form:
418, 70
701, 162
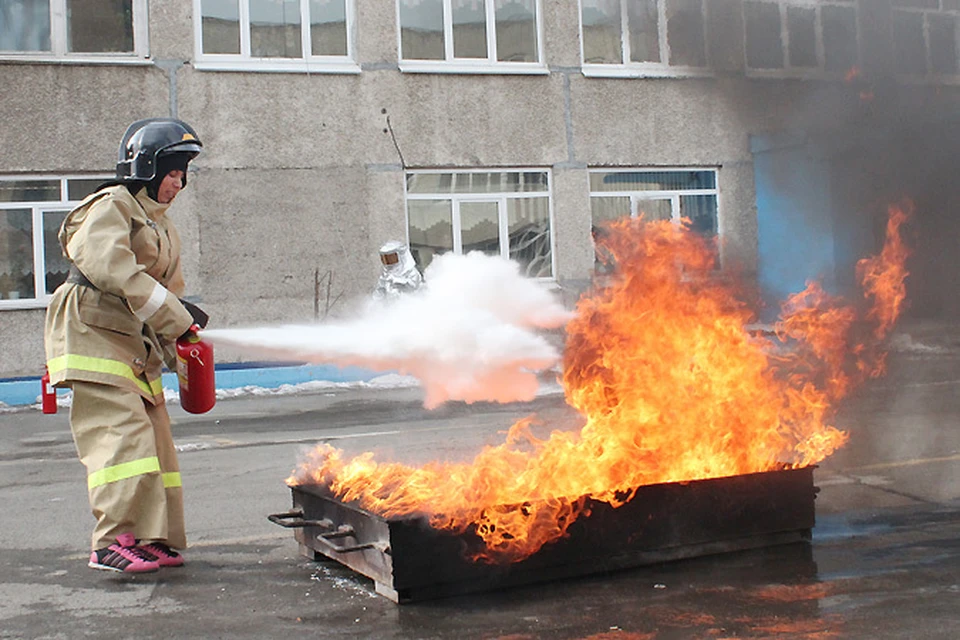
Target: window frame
929, 76
243, 61
820, 71
58, 41
500, 197
38, 208
490, 65
646, 69
673, 195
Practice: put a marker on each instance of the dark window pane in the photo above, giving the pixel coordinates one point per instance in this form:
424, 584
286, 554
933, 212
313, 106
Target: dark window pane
275, 29
431, 229
908, 42
685, 33
469, 29
943, 44
839, 38
421, 29
802, 29
516, 31
80, 188
652, 181
607, 209
16, 254
56, 265
100, 25
25, 25
643, 22
480, 227
220, 20
916, 4
602, 32
328, 27
528, 222
764, 44
655, 209
29, 190
702, 213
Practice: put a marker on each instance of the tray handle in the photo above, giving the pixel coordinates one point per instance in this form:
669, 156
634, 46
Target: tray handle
293, 519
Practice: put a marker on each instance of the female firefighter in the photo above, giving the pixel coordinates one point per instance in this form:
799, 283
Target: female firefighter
110, 328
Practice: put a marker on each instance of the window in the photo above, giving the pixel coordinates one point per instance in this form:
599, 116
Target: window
275, 35
82, 30
470, 36
798, 37
925, 37
656, 195
643, 37
503, 212
31, 211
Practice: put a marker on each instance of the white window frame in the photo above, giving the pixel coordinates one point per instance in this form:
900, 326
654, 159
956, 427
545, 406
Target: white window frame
38, 207
58, 41
929, 75
308, 63
788, 71
673, 195
662, 69
500, 198
490, 65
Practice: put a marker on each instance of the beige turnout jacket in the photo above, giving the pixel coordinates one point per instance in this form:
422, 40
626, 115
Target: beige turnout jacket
121, 331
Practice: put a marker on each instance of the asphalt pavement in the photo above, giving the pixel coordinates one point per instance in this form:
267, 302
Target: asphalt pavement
884, 561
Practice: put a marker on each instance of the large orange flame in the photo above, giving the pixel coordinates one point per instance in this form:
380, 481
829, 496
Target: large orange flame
671, 387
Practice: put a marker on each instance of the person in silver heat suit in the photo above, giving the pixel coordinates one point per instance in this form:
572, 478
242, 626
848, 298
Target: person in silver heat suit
398, 272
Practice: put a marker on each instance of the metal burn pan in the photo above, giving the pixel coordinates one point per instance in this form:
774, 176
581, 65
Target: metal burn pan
409, 561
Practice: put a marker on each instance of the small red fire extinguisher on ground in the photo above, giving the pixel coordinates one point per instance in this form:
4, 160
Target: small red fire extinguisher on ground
198, 391
48, 395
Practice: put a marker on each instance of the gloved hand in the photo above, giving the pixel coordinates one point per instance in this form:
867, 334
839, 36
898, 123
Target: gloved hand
200, 317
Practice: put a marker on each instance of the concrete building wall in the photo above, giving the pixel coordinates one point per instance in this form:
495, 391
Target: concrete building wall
302, 175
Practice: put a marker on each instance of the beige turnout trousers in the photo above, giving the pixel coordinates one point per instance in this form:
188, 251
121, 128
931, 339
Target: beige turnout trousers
132, 472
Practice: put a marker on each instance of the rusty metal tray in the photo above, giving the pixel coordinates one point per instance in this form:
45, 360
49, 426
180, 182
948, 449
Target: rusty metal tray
409, 561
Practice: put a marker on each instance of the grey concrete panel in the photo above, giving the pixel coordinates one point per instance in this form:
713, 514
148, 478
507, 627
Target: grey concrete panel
377, 40
268, 233
561, 33
70, 118
571, 225
22, 340
639, 122
477, 121
298, 121
336, 120
386, 215
738, 219
171, 30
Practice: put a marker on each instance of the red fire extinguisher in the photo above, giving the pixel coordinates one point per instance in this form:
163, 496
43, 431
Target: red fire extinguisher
198, 391
48, 395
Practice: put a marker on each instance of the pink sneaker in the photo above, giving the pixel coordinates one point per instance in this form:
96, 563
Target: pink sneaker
123, 556
165, 556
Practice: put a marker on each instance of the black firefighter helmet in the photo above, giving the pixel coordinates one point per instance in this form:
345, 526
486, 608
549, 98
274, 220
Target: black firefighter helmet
146, 140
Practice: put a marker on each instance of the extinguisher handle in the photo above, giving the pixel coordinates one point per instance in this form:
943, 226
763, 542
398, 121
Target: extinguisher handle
190, 335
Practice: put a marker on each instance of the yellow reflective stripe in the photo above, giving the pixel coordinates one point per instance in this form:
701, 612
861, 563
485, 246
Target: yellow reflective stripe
103, 365
123, 471
171, 479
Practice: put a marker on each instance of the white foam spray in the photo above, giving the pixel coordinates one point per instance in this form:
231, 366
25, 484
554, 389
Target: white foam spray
470, 334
